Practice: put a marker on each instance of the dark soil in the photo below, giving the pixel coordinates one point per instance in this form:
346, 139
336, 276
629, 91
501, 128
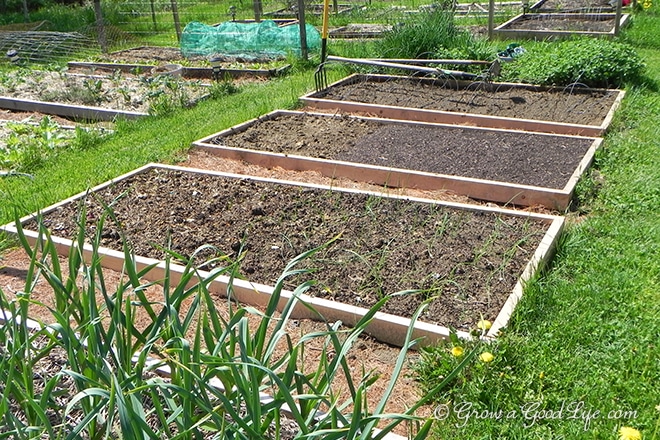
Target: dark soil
569, 105
548, 23
517, 157
470, 260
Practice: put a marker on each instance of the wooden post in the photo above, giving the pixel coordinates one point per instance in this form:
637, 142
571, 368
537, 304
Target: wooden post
256, 5
153, 14
491, 18
177, 22
100, 27
617, 18
303, 29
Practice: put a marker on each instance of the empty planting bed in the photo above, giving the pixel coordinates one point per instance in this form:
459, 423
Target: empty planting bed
497, 165
567, 110
469, 262
562, 25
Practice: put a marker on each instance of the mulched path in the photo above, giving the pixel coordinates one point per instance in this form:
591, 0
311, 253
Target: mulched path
516, 157
569, 105
470, 260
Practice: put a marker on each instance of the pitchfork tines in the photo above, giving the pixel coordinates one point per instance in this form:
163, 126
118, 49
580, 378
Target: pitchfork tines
320, 78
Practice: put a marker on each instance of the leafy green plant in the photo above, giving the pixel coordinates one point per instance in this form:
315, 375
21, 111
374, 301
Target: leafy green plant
594, 62
28, 146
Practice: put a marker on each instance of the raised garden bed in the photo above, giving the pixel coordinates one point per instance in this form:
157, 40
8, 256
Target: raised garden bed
569, 110
312, 9
494, 165
357, 30
189, 72
145, 58
573, 6
560, 25
28, 140
470, 262
96, 97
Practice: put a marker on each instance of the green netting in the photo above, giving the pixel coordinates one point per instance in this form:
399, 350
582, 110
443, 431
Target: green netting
264, 39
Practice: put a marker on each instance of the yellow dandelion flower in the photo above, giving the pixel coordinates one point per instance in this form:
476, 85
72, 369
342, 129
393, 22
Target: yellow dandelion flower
486, 357
647, 4
457, 351
628, 433
541, 375
484, 324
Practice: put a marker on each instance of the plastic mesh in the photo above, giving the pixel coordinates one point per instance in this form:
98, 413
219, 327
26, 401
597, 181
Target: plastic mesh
246, 40
44, 47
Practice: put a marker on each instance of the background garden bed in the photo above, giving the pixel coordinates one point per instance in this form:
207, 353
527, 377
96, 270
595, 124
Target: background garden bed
495, 165
561, 25
96, 97
564, 110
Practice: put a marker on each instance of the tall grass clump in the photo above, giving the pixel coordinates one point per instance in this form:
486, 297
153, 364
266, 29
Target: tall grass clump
433, 34
236, 374
595, 62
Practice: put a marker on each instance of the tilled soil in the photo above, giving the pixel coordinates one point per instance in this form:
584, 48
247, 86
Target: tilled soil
516, 157
569, 105
469, 261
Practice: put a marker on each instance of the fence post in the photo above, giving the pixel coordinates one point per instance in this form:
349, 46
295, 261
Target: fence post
303, 29
177, 22
100, 27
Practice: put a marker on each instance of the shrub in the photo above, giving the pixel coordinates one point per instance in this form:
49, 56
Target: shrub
593, 62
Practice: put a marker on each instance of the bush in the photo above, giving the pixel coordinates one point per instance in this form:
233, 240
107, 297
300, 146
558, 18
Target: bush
593, 62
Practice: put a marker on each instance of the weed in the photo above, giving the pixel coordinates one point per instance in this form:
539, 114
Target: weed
220, 89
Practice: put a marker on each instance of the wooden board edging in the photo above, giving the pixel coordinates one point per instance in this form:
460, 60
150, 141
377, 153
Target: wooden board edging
66, 110
538, 262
